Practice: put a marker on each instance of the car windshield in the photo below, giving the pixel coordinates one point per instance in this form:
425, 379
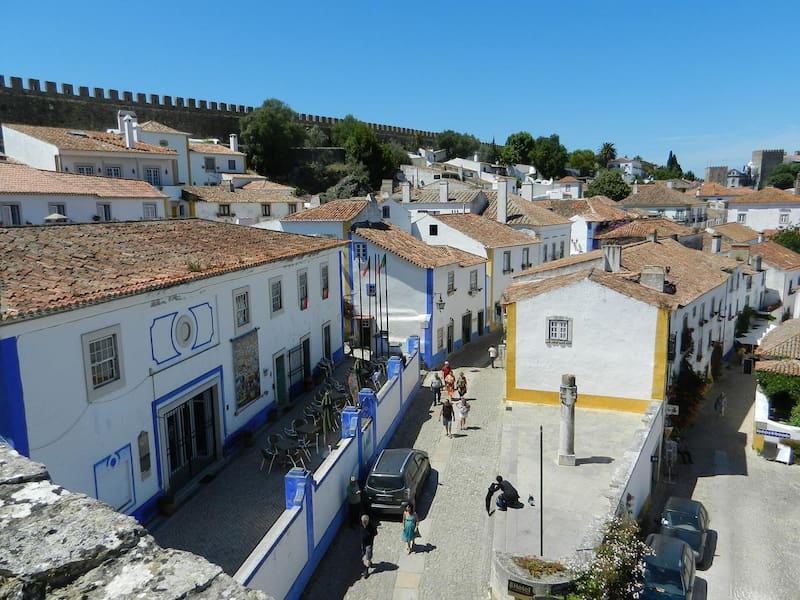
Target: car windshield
676, 519
385, 482
662, 580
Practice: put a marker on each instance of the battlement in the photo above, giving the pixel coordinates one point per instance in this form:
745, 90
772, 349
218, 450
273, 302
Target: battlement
154, 106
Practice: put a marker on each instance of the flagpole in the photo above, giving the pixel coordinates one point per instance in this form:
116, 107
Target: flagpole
380, 300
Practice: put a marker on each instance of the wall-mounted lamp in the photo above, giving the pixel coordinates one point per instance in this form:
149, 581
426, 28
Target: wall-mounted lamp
440, 303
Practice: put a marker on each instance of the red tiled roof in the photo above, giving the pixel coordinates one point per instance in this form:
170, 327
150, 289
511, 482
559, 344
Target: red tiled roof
736, 232
413, 250
523, 212
91, 141
265, 184
57, 268
641, 228
766, 196
221, 194
596, 209
337, 210
657, 195
157, 127
781, 342
710, 189
209, 148
17, 178
782, 367
433, 196
573, 259
776, 255
488, 232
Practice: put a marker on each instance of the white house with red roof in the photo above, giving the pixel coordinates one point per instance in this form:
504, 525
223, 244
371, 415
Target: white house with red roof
37, 197
209, 160
782, 267
133, 356
765, 209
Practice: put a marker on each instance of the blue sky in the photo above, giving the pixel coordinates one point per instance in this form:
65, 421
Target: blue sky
711, 80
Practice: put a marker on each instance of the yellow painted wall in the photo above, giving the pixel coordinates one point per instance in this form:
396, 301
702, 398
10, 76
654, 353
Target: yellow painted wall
660, 355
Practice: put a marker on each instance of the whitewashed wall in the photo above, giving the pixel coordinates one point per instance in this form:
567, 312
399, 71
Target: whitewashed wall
80, 209
175, 141
245, 213
132, 165
199, 174
762, 217
29, 150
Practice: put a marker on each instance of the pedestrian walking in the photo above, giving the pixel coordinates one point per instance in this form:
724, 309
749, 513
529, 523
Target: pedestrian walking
436, 386
492, 355
353, 501
446, 416
461, 385
446, 370
720, 404
368, 533
410, 527
463, 411
450, 385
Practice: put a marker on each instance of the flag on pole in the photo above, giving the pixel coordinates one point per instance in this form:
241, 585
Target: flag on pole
366, 267
381, 264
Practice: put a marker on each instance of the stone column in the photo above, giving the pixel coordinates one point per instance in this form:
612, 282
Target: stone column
566, 437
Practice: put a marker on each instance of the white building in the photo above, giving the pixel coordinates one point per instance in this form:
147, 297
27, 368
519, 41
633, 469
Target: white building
443, 198
133, 355
782, 267
33, 196
241, 206
163, 136
209, 162
567, 188
505, 249
769, 208
427, 291
590, 217
659, 199
630, 168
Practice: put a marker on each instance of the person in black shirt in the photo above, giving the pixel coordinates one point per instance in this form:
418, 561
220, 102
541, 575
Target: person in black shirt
508, 493
368, 533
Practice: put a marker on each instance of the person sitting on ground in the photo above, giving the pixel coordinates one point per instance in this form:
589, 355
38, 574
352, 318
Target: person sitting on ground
508, 493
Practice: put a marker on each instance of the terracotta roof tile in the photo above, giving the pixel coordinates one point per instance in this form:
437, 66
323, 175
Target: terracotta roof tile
573, 259
92, 141
710, 189
641, 228
776, 255
48, 269
596, 209
265, 184
17, 178
782, 341
488, 232
736, 232
766, 196
221, 194
783, 367
432, 196
724, 246
413, 250
523, 212
157, 127
337, 210
209, 148
658, 195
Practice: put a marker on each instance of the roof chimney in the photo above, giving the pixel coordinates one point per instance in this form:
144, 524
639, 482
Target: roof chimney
502, 202
653, 277
231, 187
635, 187
755, 262
612, 255
653, 235
716, 243
234, 142
443, 191
527, 190
761, 237
406, 188
127, 130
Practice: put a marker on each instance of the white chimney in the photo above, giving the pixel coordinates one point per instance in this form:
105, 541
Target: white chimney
127, 130
231, 187
475, 157
234, 142
760, 237
653, 235
527, 190
755, 262
135, 126
653, 277
406, 188
502, 202
716, 243
443, 191
635, 187
612, 255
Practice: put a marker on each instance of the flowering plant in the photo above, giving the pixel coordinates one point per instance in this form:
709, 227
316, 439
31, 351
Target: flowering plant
538, 567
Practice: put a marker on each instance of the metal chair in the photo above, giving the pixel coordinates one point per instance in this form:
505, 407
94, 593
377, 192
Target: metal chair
268, 454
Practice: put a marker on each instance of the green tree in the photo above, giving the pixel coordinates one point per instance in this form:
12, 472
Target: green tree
549, 156
583, 160
461, 145
690, 176
355, 183
783, 176
788, 238
610, 184
361, 146
489, 153
271, 133
518, 149
606, 154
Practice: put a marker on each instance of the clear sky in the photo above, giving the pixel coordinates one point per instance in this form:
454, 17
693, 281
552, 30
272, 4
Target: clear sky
711, 80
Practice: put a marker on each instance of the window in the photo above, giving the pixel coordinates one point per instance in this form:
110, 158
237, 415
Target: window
526, 258
103, 212
433, 229
292, 208
561, 249
113, 171
102, 359
783, 219
209, 164
559, 330
554, 251
451, 282
241, 307
302, 289
231, 164
10, 215
323, 280
507, 262
741, 218
544, 254
360, 251
439, 338
386, 212
276, 295
152, 175
84, 169
265, 210
57, 209
224, 210
473, 280
150, 210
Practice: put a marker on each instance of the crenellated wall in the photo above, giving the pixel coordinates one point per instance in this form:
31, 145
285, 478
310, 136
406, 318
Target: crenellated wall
95, 108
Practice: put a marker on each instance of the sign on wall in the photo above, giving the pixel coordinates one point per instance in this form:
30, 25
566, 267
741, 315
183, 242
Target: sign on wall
247, 381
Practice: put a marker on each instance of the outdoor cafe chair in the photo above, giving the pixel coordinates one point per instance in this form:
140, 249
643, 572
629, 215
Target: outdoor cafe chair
268, 454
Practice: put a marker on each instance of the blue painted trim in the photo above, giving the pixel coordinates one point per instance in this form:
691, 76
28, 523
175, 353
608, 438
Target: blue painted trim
148, 510
173, 316
197, 345
13, 425
427, 356
215, 372
309, 498
338, 355
105, 459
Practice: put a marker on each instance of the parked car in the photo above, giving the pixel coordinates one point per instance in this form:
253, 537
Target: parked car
687, 520
396, 478
668, 572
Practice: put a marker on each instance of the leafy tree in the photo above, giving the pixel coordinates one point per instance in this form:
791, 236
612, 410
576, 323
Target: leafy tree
356, 182
549, 156
361, 146
783, 176
690, 176
316, 137
610, 184
271, 132
489, 153
583, 160
518, 149
606, 154
788, 238
461, 145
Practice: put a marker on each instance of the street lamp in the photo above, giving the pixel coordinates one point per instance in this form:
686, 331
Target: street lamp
440, 303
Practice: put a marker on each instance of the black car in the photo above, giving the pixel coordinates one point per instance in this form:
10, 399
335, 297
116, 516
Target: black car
669, 571
396, 478
687, 520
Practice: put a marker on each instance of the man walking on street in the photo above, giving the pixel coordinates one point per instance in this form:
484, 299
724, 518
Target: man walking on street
353, 501
492, 355
436, 388
368, 533
721, 404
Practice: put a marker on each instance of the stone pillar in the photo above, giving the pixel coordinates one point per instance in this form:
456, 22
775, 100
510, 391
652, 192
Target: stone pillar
566, 436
